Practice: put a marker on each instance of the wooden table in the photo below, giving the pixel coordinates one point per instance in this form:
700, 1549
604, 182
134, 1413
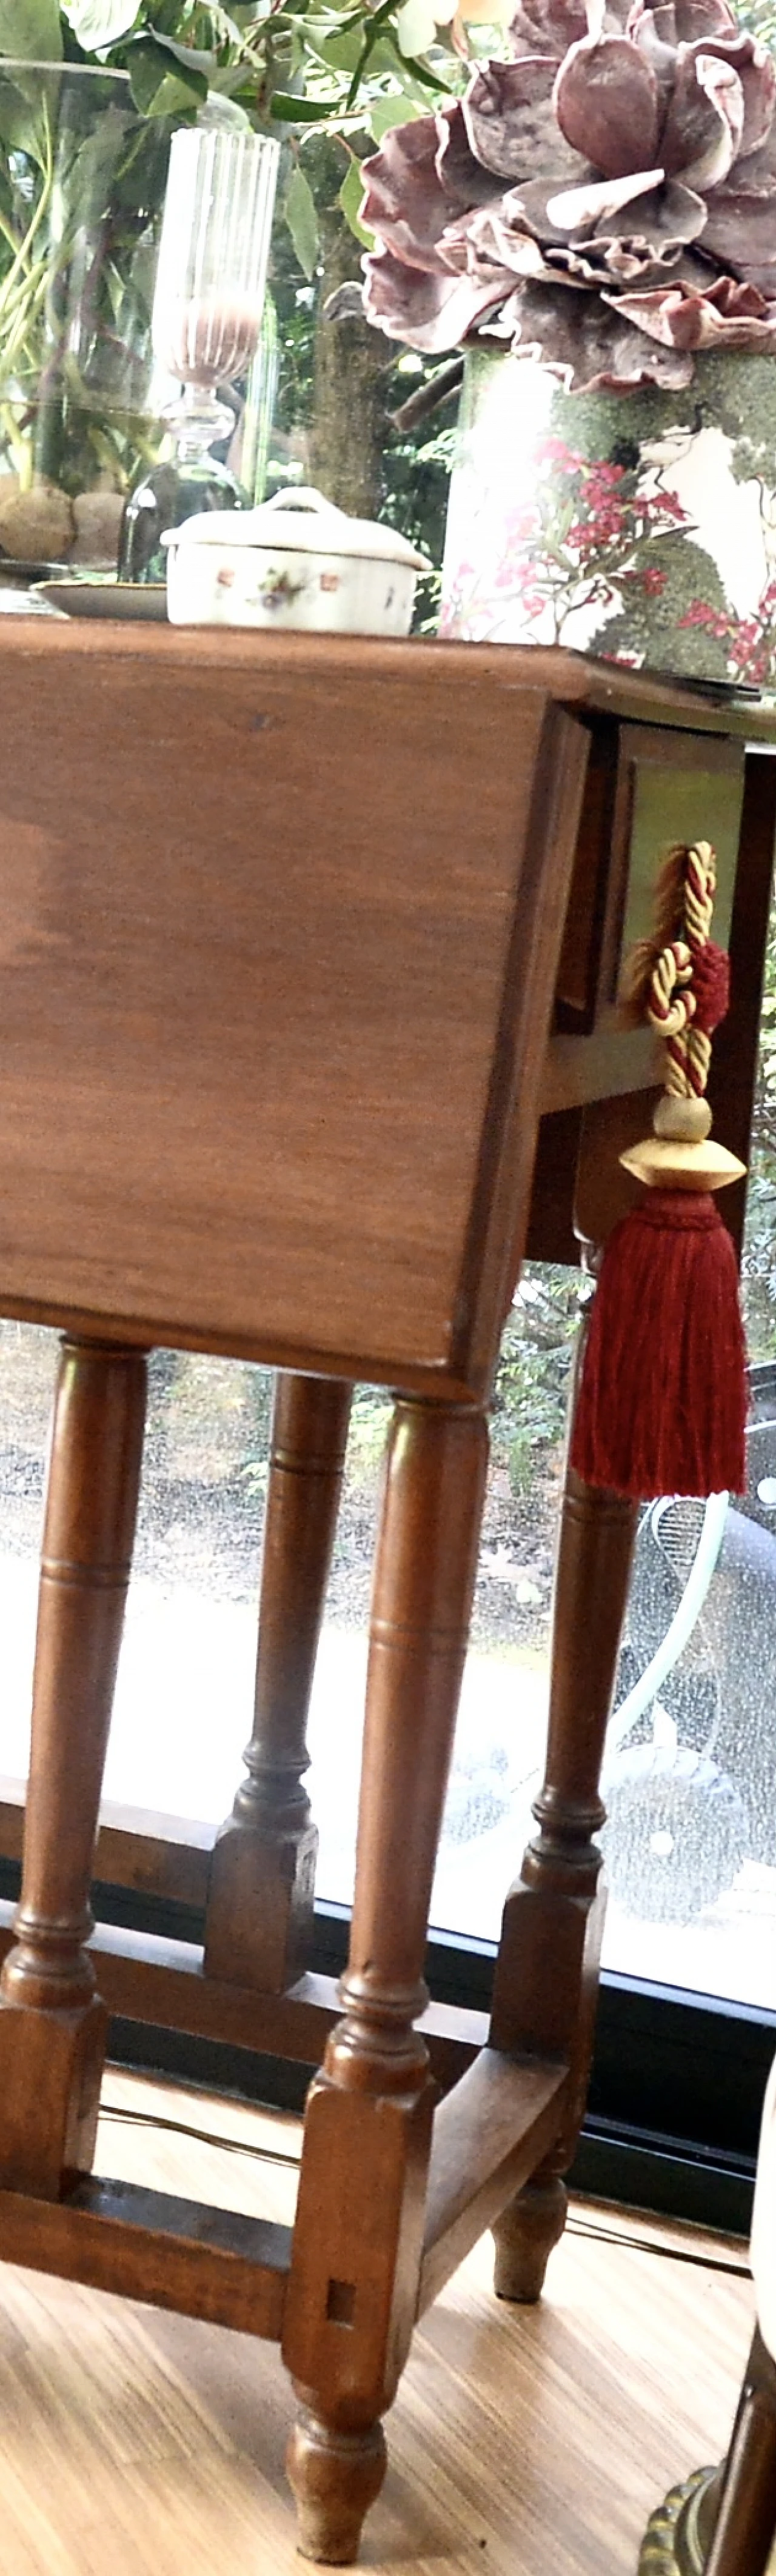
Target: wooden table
304, 944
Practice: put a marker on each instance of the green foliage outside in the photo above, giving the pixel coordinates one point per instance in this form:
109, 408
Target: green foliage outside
82, 179
759, 16
531, 1392
296, 67
294, 62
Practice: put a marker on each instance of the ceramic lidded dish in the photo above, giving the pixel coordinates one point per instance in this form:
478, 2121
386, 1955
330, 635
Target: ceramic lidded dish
296, 561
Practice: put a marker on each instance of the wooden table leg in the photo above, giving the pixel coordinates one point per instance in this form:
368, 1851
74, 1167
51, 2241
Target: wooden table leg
52, 2024
546, 1980
262, 1879
357, 2244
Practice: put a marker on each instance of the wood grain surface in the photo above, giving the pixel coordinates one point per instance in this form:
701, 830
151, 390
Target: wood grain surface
136, 1846
156, 2246
522, 2443
262, 1034
488, 2135
147, 1978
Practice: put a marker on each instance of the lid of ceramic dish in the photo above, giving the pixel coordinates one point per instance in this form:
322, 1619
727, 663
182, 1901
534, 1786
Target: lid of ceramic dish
299, 519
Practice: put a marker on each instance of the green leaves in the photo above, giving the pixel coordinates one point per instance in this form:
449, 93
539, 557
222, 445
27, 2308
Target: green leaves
99, 23
371, 34
303, 111
302, 221
305, 63
167, 79
381, 115
31, 30
387, 112
340, 52
350, 195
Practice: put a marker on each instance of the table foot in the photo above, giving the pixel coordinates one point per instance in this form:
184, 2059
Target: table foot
524, 2238
335, 2477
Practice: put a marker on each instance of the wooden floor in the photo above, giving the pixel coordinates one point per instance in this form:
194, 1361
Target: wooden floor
526, 2444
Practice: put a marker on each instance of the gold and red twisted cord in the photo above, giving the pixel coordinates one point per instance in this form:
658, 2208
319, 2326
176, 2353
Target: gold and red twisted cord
671, 1002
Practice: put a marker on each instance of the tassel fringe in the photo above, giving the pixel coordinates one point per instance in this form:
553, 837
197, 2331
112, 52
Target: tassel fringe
662, 1404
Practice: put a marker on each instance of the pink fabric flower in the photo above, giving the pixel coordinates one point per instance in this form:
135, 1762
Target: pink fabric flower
623, 163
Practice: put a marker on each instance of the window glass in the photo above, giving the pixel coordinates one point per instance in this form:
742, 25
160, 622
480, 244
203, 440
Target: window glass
691, 1769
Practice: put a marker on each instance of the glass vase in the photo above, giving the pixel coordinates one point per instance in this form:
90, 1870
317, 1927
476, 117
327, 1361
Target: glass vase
206, 328
82, 182
638, 527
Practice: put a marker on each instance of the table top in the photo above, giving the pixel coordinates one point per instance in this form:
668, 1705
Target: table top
600, 687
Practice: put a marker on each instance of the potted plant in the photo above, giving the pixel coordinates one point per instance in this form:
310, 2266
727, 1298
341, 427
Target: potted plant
594, 222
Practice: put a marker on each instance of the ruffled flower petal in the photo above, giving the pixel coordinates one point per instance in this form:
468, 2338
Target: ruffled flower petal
588, 346
431, 313
511, 124
464, 181
488, 246
589, 207
705, 121
696, 20
659, 51
666, 217
547, 27
754, 174
617, 176
723, 316
404, 201
757, 74
740, 235
606, 103
649, 230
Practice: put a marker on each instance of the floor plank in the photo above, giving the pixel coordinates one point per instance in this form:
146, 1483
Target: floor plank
523, 2444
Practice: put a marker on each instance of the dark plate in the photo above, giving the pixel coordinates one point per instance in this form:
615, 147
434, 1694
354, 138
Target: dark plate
122, 599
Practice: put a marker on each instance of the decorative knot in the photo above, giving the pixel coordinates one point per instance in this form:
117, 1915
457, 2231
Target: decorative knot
681, 976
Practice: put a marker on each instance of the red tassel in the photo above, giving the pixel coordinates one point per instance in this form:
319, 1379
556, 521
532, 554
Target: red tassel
662, 1404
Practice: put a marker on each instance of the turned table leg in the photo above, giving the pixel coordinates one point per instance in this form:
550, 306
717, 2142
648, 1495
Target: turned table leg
357, 2244
262, 1880
547, 1974
52, 2024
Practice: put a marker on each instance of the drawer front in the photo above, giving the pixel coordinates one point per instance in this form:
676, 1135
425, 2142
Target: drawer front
647, 787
